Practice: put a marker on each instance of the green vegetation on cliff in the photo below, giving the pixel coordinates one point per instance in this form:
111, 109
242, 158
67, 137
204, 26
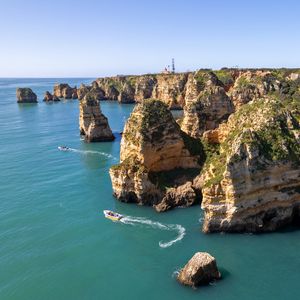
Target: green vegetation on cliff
266, 126
225, 76
130, 164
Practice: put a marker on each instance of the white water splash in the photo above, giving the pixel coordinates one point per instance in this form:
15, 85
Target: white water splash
157, 225
87, 152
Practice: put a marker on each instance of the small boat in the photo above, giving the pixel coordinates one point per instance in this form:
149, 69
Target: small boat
63, 148
112, 215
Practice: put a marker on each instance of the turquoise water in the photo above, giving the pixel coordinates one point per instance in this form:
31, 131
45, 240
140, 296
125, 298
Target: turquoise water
56, 244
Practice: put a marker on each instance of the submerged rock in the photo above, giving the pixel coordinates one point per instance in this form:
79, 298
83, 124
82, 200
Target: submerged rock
155, 156
26, 95
93, 124
200, 270
252, 182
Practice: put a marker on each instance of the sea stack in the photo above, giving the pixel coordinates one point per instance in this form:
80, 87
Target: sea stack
158, 160
63, 90
93, 124
49, 97
200, 270
26, 95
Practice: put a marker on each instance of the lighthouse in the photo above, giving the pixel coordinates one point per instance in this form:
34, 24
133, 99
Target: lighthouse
173, 65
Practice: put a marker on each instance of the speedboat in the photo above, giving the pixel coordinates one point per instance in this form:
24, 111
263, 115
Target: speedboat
63, 148
112, 215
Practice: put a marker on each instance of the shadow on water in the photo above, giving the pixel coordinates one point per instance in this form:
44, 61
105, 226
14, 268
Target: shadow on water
26, 106
289, 228
118, 136
224, 273
49, 103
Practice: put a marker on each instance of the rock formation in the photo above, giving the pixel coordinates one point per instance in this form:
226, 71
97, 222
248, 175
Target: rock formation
49, 97
253, 85
126, 95
156, 159
207, 106
144, 86
63, 90
94, 91
200, 270
26, 95
252, 182
74, 93
179, 89
169, 88
93, 124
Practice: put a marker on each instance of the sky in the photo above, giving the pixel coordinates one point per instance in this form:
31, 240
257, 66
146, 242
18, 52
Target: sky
92, 38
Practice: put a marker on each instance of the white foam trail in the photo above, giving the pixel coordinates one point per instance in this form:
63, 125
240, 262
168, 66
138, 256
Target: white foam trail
181, 233
157, 225
86, 152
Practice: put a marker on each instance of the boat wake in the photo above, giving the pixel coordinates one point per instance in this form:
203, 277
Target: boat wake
157, 225
87, 152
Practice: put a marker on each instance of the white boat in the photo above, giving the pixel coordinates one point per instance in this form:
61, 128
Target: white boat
112, 215
63, 148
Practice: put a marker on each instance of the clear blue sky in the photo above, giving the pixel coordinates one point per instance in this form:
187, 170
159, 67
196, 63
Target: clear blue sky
88, 38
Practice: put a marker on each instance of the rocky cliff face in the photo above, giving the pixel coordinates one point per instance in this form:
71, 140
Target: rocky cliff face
26, 95
94, 91
93, 124
253, 85
169, 88
252, 181
48, 97
156, 159
180, 89
63, 90
207, 104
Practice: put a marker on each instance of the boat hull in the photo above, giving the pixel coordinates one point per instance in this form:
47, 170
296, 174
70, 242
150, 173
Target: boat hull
112, 215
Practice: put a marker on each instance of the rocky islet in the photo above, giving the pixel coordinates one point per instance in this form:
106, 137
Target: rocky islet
26, 95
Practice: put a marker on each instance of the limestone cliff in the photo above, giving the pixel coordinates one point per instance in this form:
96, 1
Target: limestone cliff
93, 90
63, 90
251, 182
156, 159
179, 89
93, 124
208, 105
169, 88
253, 85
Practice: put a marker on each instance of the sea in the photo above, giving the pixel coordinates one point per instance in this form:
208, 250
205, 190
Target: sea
56, 244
